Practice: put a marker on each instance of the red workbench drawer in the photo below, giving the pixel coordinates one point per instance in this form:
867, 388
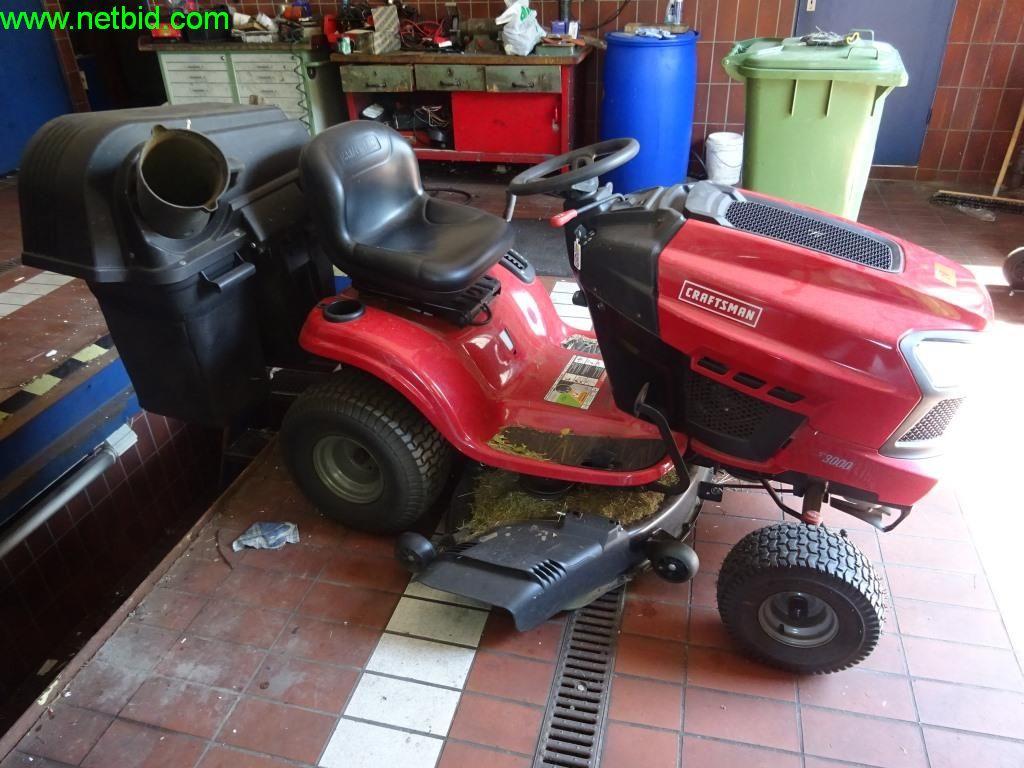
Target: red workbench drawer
507, 122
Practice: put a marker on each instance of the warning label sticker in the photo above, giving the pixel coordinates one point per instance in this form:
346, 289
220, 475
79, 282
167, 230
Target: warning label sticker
578, 383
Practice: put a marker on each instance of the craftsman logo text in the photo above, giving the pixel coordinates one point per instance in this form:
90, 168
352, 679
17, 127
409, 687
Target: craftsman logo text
721, 304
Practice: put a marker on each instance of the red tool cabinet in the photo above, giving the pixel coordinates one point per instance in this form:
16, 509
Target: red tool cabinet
503, 109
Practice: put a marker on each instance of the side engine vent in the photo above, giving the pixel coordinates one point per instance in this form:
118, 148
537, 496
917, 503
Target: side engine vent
731, 421
844, 241
934, 423
548, 572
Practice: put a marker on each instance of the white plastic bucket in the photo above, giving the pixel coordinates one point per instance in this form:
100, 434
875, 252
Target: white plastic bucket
723, 157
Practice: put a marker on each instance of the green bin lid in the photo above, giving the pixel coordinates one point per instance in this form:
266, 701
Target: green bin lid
861, 60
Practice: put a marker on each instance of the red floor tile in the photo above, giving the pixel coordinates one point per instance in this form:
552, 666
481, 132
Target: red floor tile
511, 677
211, 662
304, 684
295, 559
728, 671
953, 749
130, 745
929, 553
708, 753
653, 619
840, 736
169, 609
651, 657
542, 643
267, 589
959, 663
706, 628
103, 687
645, 702
742, 504
137, 646
998, 713
368, 571
276, 729
199, 578
626, 746
501, 724
964, 589
888, 654
326, 641
703, 589
650, 586
711, 555
179, 706
762, 722
862, 691
458, 755
224, 757
65, 734
725, 529
340, 602
244, 624
950, 622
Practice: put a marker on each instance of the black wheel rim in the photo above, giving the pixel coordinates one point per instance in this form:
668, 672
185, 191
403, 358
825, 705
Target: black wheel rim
346, 467
798, 619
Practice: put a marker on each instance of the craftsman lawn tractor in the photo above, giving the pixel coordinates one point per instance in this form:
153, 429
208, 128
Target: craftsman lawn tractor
739, 342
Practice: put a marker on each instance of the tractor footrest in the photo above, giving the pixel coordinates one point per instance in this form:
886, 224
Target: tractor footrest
536, 569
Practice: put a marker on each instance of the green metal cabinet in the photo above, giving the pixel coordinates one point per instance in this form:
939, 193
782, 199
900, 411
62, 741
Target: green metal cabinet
390, 78
303, 83
453, 77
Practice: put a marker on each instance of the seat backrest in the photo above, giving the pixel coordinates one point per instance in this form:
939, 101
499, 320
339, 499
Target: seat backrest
357, 176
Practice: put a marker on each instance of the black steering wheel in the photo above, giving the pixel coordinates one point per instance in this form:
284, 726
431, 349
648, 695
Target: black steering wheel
584, 164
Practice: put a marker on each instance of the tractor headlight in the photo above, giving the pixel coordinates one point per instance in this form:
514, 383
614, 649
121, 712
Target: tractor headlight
947, 362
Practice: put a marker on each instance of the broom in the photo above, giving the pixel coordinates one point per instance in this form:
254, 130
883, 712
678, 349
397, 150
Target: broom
993, 201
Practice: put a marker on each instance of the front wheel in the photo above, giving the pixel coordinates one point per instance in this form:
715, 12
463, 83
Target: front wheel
801, 598
363, 454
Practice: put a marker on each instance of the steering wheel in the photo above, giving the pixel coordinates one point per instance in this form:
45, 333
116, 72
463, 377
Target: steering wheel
584, 164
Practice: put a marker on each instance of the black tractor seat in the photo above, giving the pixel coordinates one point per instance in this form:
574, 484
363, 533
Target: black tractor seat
362, 184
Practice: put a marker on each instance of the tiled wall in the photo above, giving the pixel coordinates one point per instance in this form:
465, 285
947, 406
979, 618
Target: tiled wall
981, 86
71, 569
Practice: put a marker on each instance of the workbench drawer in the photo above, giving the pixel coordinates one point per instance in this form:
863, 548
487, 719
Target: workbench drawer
528, 79
264, 62
185, 61
264, 77
269, 91
394, 78
449, 77
199, 76
193, 90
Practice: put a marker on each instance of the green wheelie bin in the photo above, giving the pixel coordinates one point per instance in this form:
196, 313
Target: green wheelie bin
813, 109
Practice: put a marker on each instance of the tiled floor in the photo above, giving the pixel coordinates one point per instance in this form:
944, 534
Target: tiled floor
322, 654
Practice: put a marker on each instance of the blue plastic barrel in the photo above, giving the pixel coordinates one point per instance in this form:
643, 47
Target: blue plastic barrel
648, 95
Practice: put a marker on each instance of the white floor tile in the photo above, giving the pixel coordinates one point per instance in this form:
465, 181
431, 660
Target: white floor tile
416, 589
362, 745
566, 285
6, 309
50, 278
18, 299
30, 286
437, 621
561, 298
571, 310
579, 323
416, 706
423, 660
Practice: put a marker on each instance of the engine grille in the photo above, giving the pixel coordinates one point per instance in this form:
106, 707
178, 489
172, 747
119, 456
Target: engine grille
722, 409
934, 423
819, 234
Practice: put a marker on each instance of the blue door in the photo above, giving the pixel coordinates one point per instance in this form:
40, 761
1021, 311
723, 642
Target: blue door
918, 29
32, 86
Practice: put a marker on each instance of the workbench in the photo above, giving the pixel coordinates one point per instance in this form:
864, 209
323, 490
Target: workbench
504, 109
299, 77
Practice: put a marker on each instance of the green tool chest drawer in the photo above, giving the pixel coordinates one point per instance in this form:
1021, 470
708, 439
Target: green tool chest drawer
376, 77
449, 77
528, 79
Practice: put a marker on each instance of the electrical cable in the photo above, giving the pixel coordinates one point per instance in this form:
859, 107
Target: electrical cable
300, 86
610, 19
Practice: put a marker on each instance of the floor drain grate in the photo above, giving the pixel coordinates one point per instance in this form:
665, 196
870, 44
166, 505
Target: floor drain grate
574, 721
7, 266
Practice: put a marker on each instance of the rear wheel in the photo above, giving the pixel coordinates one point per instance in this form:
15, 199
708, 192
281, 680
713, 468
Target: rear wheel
1013, 269
802, 598
363, 454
